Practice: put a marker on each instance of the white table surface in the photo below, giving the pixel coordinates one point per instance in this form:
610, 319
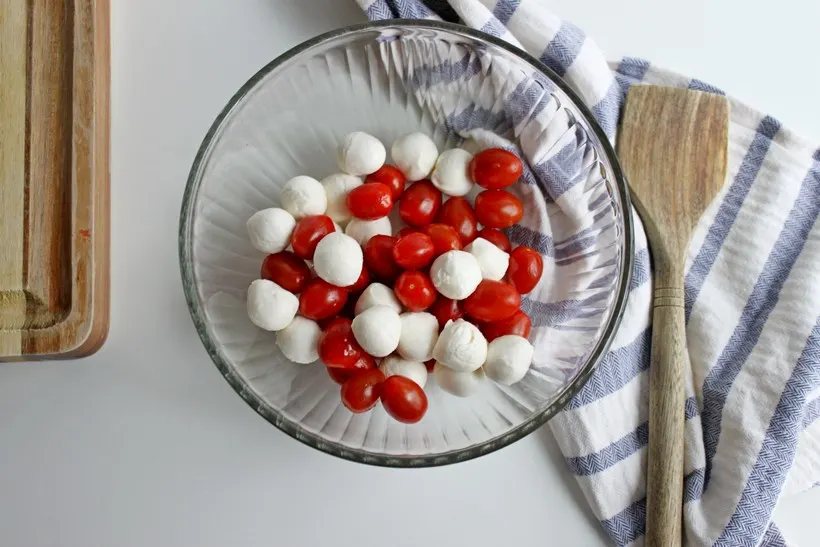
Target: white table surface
144, 443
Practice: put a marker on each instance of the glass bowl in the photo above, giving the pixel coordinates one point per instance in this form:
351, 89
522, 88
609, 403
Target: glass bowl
461, 87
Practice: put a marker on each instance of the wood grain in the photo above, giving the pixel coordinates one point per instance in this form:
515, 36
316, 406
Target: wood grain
673, 146
54, 196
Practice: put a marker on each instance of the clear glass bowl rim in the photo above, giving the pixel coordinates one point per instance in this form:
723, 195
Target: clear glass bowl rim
185, 243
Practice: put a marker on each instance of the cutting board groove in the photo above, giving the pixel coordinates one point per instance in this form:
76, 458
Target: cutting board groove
54, 177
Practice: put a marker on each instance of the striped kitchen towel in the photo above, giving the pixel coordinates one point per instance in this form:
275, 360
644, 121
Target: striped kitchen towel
752, 309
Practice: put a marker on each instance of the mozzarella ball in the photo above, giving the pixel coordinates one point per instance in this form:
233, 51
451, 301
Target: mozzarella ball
419, 334
299, 341
377, 294
508, 359
270, 307
415, 155
461, 346
492, 260
377, 330
394, 365
338, 259
456, 274
360, 154
270, 229
363, 230
451, 175
303, 196
460, 384
337, 187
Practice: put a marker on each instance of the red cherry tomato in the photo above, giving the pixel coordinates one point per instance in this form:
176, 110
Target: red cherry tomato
458, 213
390, 177
431, 364
495, 168
498, 208
370, 201
496, 237
361, 392
526, 267
413, 251
338, 346
286, 270
403, 399
445, 238
405, 231
518, 323
492, 301
320, 300
415, 290
308, 232
361, 283
378, 257
341, 375
445, 309
420, 203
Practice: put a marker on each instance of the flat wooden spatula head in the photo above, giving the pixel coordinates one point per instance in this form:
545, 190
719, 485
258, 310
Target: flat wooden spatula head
673, 147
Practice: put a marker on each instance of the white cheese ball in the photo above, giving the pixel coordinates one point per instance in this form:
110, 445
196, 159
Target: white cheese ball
456, 274
363, 230
270, 229
492, 260
419, 334
394, 365
460, 384
270, 307
508, 359
377, 294
299, 341
415, 155
377, 330
338, 259
360, 154
451, 174
303, 197
461, 346
337, 187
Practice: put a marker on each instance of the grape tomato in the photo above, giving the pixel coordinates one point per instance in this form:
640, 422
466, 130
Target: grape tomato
403, 399
320, 300
287, 270
495, 168
498, 208
361, 392
307, 234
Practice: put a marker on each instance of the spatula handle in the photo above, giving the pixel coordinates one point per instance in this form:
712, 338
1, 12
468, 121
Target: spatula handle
664, 496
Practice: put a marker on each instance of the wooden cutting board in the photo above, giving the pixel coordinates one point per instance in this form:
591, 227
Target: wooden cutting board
54, 177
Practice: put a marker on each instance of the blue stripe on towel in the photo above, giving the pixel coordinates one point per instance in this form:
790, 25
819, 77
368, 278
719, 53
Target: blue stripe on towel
629, 524
504, 10
562, 50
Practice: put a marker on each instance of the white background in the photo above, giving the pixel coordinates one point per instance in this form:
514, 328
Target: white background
144, 444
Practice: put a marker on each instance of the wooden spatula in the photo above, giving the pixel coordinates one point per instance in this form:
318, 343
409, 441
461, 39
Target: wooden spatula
673, 145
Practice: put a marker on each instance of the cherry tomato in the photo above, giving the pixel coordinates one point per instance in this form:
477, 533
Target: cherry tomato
526, 267
341, 375
431, 364
420, 203
320, 300
338, 346
361, 283
390, 177
445, 238
370, 201
498, 208
496, 237
518, 323
308, 232
405, 231
378, 257
445, 309
492, 301
286, 270
495, 168
361, 392
458, 213
415, 290
403, 399
413, 251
